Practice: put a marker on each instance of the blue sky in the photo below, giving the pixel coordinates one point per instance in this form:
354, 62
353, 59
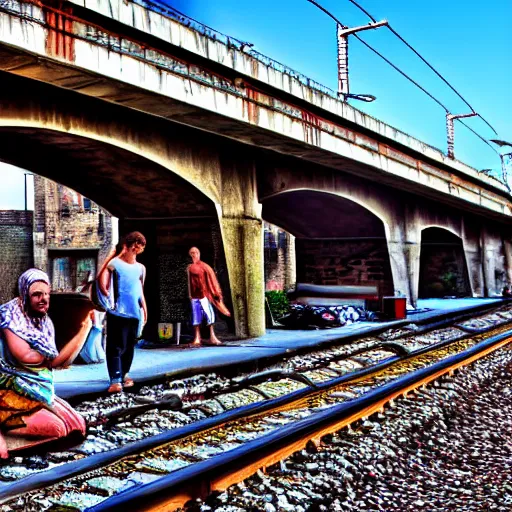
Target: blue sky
470, 43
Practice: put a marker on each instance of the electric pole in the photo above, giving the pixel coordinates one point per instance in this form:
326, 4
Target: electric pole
342, 34
450, 131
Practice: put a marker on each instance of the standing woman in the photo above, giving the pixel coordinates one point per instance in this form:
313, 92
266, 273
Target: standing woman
121, 278
29, 408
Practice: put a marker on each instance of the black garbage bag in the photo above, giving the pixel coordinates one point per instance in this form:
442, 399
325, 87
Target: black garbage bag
311, 317
297, 318
302, 316
324, 317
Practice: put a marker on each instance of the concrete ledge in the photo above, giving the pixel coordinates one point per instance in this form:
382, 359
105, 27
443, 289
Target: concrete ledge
80, 381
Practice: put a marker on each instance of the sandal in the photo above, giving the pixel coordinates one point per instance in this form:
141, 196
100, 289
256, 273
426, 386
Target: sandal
115, 387
128, 382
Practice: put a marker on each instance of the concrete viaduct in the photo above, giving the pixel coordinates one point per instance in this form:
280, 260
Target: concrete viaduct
195, 140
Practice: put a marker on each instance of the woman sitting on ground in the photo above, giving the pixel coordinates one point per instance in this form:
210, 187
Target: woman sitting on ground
30, 413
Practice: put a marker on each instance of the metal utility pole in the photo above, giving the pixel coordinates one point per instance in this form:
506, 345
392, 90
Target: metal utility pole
504, 164
342, 34
450, 132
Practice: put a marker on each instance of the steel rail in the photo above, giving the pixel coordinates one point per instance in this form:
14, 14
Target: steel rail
425, 325
75, 468
93, 462
219, 472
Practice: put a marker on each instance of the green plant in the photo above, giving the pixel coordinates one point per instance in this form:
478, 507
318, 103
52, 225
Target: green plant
278, 303
449, 279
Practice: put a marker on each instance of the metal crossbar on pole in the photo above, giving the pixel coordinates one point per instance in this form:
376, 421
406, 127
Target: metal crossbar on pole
342, 34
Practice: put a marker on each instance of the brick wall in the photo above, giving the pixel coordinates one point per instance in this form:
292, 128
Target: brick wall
63, 219
443, 271
338, 262
16, 254
279, 258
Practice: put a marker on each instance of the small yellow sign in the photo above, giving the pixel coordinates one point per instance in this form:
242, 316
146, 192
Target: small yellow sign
165, 331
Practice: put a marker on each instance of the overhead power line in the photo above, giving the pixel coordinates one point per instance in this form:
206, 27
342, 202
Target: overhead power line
396, 68
425, 62
479, 136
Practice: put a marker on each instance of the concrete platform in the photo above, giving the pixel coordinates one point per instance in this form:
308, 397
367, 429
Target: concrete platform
149, 364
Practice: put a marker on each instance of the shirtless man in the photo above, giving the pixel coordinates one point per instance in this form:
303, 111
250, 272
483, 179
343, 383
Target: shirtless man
204, 290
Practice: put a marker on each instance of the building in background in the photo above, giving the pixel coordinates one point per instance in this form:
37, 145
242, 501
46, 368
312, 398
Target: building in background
66, 235
16, 249
279, 261
71, 234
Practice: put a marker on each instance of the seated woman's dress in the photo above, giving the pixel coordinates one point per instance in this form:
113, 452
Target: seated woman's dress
27, 391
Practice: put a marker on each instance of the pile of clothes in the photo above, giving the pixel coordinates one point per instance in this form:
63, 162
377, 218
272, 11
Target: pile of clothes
302, 316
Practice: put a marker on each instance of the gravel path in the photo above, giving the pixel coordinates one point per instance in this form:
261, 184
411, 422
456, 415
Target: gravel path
447, 447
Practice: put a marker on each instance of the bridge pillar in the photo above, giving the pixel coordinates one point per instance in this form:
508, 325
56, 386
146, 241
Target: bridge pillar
472, 244
473, 257
488, 255
494, 252
243, 246
242, 235
399, 259
404, 248
412, 254
489, 271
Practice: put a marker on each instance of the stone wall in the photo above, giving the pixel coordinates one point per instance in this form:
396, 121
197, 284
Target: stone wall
15, 250
338, 262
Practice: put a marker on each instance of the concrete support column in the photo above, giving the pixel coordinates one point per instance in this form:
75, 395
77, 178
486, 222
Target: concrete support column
493, 262
473, 254
242, 234
489, 267
474, 262
398, 259
243, 245
412, 254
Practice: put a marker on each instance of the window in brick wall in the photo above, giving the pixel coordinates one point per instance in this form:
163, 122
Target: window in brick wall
71, 269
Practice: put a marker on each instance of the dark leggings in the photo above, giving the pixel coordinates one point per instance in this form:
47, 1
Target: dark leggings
121, 341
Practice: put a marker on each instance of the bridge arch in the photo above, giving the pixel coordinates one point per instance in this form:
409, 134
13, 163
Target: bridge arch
443, 267
216, 170
337, 240
173, 213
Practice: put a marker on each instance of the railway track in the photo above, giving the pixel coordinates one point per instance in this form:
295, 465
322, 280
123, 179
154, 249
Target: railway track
286, 410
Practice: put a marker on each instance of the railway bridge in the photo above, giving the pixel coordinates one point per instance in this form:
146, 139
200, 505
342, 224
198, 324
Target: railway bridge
195, 139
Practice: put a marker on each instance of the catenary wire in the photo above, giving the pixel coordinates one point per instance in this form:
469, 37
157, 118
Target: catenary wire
478, 135
425, 62
403, 73
396, 68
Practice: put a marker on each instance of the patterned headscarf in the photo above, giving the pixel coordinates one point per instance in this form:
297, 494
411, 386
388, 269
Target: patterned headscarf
27, 279
39, 332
